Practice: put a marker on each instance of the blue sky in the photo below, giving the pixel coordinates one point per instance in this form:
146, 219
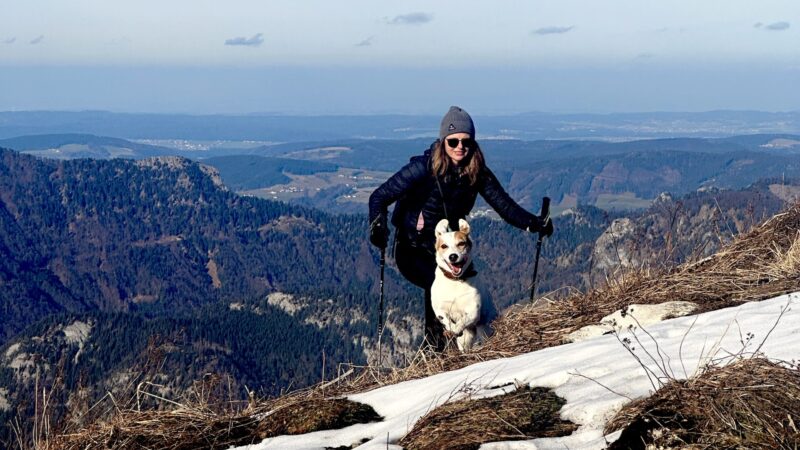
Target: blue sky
361, 56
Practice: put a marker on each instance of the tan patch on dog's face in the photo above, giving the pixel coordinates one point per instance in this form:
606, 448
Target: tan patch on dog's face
452, 251
455, 242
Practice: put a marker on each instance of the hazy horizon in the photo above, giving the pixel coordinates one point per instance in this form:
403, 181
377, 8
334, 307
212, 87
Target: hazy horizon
362, 57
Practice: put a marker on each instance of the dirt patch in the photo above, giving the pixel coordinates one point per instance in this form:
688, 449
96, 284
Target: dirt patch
213, 272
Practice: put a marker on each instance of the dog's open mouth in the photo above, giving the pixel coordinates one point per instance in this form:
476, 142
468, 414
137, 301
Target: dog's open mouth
456, 267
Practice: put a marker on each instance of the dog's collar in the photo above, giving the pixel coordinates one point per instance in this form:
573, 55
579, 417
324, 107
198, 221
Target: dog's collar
469, 272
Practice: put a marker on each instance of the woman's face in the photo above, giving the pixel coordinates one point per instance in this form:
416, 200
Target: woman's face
462, 141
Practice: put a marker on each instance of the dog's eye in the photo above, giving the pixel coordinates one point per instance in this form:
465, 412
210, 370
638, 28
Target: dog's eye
444, 247
462, 244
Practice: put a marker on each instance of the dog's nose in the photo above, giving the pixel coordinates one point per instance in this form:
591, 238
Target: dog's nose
453, 257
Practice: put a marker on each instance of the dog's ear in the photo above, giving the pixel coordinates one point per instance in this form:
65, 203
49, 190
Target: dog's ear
463, 226
442, 227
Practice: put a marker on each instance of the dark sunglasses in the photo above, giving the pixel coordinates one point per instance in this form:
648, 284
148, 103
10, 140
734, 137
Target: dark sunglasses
466, 142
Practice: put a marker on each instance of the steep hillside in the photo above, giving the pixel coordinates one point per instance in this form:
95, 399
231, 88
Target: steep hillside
742, 319
155, 256
158, 234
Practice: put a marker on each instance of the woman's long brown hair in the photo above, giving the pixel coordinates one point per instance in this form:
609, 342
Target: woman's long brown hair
440, 162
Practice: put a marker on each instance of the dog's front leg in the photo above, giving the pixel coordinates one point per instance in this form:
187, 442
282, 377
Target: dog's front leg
468, 318
466, 339
459, 325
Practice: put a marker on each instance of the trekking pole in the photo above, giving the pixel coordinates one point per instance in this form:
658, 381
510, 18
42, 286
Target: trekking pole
545, 214
380, 310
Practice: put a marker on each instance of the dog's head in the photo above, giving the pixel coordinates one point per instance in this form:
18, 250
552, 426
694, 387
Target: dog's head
453, 247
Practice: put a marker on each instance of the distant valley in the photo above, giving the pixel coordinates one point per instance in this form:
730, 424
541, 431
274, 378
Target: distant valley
338, 176
284, 128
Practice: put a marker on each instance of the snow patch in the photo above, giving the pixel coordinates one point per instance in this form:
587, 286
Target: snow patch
596, 377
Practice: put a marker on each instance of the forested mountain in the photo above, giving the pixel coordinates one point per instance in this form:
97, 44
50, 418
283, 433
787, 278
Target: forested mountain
115, 270
100, 257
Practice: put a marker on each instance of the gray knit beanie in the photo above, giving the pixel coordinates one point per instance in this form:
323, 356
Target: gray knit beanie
456, 121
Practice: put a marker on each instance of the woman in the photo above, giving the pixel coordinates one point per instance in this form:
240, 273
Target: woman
442, 183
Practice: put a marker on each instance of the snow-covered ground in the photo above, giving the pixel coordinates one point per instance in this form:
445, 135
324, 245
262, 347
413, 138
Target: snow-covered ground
596, 377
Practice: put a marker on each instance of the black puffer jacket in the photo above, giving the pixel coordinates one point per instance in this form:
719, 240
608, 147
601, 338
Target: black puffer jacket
415, 190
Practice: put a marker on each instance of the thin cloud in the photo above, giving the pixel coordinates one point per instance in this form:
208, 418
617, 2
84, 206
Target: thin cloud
37, 40
254, 41
644, 56
778, 26
10, 40
552, 30
415, 18
775, 26
366, 42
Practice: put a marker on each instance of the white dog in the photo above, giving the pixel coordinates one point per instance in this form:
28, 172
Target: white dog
455, 299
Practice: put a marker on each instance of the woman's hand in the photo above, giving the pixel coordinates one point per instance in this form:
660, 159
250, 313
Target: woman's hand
379, 232
542, 225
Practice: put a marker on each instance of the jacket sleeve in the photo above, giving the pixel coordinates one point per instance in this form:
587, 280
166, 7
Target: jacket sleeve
395, 187
494, 194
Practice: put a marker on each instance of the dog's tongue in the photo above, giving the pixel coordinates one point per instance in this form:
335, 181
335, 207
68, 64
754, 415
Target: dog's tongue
456, 270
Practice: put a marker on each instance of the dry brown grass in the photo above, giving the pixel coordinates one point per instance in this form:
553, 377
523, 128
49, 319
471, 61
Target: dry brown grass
751, 404
198, 425
761, 264
466, 424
